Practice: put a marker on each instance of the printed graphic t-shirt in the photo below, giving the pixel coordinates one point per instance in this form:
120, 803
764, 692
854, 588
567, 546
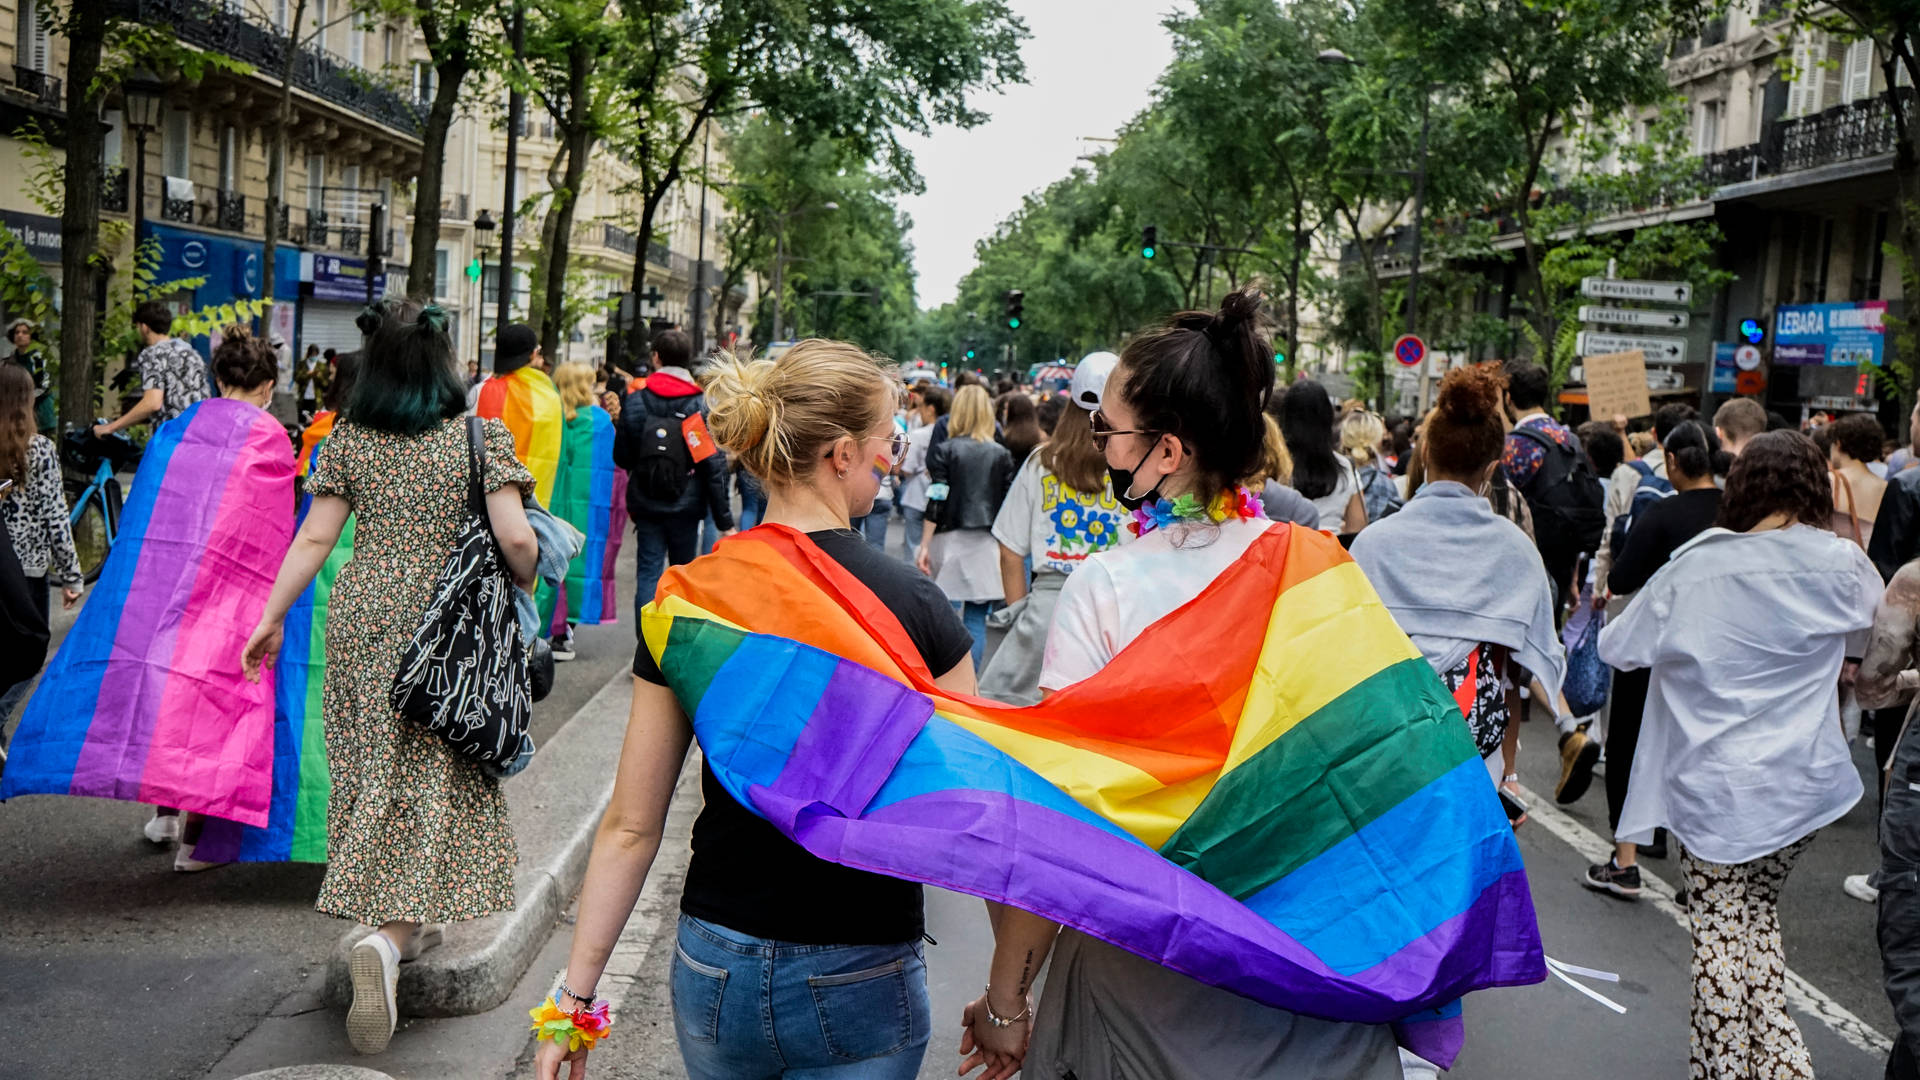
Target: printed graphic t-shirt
1052, 523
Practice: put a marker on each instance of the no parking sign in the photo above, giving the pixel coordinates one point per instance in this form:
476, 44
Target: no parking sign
1409, 350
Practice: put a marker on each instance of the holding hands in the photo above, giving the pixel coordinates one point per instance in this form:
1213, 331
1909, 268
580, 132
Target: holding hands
996, 1041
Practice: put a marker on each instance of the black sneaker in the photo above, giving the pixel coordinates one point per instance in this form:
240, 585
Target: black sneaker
1577, 755
563, 648
1608, 878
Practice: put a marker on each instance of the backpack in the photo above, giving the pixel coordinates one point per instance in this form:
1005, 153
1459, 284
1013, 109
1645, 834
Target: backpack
1378, 492
1651, 489
1569, 503
663, 465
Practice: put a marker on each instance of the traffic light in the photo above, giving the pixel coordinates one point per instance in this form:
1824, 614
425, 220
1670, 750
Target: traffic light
1016, 302
1753, 331
969, 350
1280, 356
1149, 241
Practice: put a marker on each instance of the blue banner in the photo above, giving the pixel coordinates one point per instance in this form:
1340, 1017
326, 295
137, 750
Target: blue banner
1830, 335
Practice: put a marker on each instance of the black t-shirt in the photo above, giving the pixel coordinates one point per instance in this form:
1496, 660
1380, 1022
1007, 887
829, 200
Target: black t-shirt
744, 875
1658, 533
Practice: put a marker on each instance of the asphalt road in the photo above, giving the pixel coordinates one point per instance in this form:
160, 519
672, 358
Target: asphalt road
157, 973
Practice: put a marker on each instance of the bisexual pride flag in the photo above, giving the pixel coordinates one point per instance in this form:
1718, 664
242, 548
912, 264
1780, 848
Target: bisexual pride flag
145, 700
590, 494
1269, 791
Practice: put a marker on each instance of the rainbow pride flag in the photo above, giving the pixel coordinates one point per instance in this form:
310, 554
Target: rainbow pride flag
145, 700
311, 436
527, 402
590, 493
296, 828
1269, 791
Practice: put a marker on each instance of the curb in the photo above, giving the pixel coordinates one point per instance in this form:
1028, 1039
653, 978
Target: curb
318, 1072
555, 807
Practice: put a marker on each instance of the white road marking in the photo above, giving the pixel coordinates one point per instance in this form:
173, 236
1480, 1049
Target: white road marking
1801, 994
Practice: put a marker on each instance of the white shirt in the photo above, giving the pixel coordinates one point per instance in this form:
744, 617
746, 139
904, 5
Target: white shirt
1117, 594
1740, 749
913, 466
1333, 506
1058, 527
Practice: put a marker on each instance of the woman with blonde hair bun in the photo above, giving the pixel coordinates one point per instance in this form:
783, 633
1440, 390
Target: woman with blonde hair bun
807, 942
1361, 434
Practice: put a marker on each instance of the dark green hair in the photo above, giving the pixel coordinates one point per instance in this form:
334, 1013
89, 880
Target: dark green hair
408, 382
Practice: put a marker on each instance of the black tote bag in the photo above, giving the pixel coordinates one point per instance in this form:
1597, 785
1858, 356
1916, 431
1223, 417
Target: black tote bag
464, 675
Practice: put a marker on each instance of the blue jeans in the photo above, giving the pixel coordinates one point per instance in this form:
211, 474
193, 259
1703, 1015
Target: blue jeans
746, 1008
974, 613
874, 525
658, 544
709, 535
914, 519
751, 511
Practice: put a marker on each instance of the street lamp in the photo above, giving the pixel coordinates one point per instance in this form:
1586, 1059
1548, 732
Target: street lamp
1419, 174
483, 227
140, 94
780, 261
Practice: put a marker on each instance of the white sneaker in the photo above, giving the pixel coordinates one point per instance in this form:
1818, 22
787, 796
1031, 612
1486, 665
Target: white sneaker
185, 863
375, 967
1857, 887
162, 830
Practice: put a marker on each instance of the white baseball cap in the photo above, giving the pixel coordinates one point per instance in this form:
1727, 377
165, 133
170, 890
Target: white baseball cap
1090, 378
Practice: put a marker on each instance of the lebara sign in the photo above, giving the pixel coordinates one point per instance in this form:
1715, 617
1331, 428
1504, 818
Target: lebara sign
1833, 335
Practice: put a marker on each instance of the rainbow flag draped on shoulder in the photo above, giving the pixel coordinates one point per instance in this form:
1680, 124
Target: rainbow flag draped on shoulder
525, 400
589, 493
1268, 791
144, 700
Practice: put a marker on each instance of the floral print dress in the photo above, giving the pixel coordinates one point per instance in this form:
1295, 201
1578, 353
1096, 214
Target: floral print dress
414, 833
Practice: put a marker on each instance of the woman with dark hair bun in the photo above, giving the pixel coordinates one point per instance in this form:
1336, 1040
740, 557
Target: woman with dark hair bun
1741, 756
1181, 427
1464, 582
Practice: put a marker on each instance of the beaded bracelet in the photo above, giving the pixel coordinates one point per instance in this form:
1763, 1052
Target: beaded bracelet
1005, 1022
579, 1028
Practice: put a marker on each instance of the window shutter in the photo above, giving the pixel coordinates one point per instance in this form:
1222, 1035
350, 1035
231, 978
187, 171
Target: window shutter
1833, 85
1859, 69
1803, 77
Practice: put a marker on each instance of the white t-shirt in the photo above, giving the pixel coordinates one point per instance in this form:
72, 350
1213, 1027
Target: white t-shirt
1118, 593
1333, 507
913, 468
1054, 524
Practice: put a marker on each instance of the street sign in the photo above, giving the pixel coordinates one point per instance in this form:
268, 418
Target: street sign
1409, 350
1746, 357
1659, 292
1658, 350
1664, 320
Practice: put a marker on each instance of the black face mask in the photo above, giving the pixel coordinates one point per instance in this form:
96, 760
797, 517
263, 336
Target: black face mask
1122, 482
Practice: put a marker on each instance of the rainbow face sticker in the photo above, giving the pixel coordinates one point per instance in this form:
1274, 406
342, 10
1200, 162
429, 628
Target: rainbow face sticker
882, 467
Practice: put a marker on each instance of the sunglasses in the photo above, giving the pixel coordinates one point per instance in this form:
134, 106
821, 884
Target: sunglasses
1103, 430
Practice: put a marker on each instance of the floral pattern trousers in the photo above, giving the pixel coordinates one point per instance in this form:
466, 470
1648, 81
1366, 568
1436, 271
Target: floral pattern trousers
1741, 1030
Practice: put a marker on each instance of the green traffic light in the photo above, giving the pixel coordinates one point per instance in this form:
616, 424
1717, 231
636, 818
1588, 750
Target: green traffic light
1279, 357
1146, 253
969, 354
1013, 324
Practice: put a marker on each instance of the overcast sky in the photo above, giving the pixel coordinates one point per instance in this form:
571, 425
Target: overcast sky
1090, 67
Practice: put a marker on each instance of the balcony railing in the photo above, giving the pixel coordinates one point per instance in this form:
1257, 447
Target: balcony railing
172, 209
230, 211
113, 189
621, 240
352, 237
218, 28
455, 207
39, 85
658, 254
315, 233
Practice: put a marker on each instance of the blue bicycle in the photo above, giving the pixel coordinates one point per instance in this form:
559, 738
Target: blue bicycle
93, 493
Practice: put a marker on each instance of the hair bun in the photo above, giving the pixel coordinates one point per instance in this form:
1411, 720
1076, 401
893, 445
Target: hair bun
1470, 395
237, 333
1241, 305
741, 411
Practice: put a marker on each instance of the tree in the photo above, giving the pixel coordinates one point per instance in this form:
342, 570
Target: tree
1535, 70
462, 37
566, 59
857, 71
